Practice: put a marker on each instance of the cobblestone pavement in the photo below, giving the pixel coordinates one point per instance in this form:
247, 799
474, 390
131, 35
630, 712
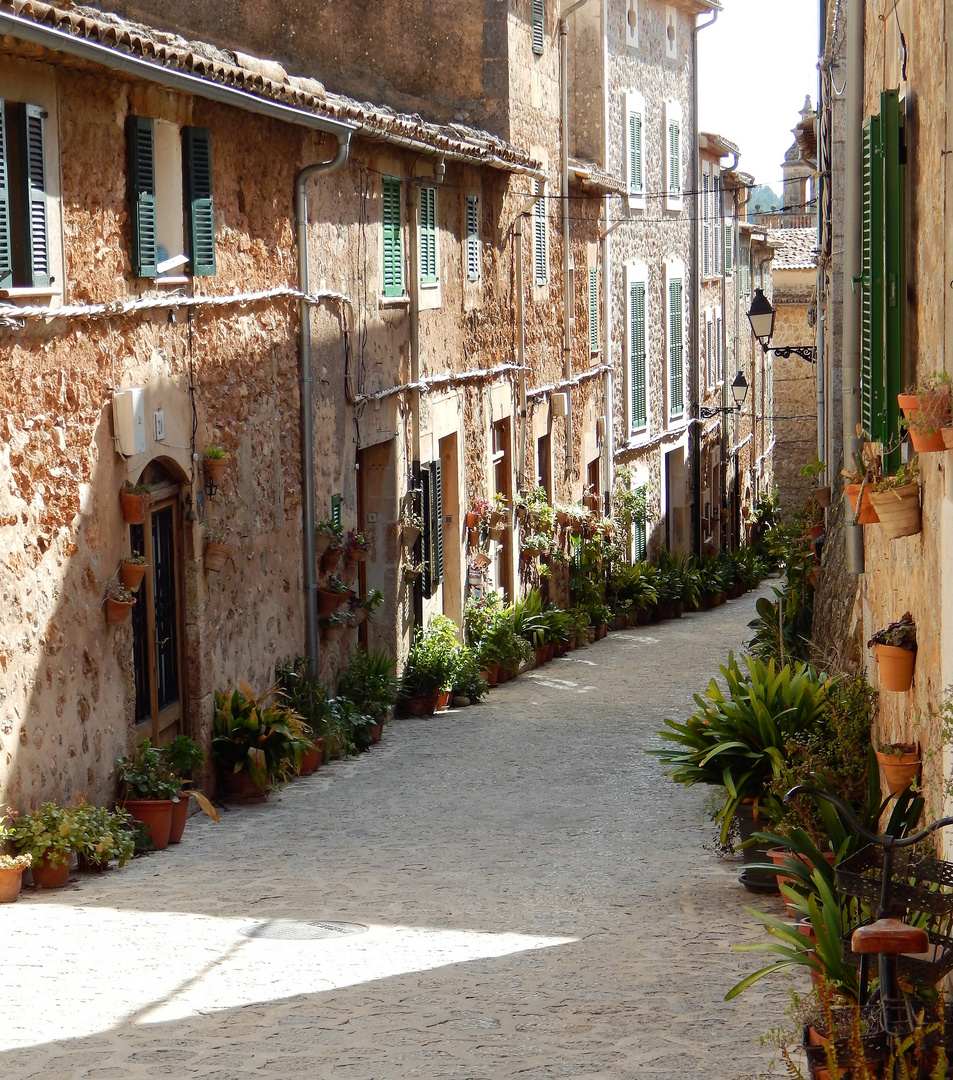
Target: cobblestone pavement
538, 898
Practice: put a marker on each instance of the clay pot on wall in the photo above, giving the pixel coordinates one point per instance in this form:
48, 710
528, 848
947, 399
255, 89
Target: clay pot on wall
133, 507
865, 514
898, 510
216, 556
215, 469
928, 415
117, 611
131, 574
900, 769
896, 667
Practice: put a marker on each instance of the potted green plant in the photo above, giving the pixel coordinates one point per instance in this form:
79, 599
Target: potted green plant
900, 764
117, 602
256, 741
183, 757
411, 526
217, 550
135, 500
132, 570
895, 647
148, 789
500, 514
215, 462
357, 546
329, 542
411, 570
332, 596
48, 836
11, 875
821, 493
307, 698
926, 411
102, 835
368, 681
478, 514
896, 498
430, 666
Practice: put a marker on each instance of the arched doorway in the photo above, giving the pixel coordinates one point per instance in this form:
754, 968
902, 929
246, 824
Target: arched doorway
158, 619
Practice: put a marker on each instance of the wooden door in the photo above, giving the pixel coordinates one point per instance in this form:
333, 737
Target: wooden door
157, 620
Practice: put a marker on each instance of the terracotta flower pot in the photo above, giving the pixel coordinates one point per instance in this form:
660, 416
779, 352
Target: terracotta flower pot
899, 769
215, 469
10, 881
329, 601
311, 759
133, 507
896, 667
815, 532
322, 542
947, 434
930, 413
331, 558
377, 732
131, 574
421, 706
898, 510
46, 876
180, 815
443, 701
117, 611
156, 815
473, 520
822, 495
241, 788
410, 535
356, 554
495, 532
865, 514
216, 556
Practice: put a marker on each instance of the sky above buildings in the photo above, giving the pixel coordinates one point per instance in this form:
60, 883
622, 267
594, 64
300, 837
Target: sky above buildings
755, 66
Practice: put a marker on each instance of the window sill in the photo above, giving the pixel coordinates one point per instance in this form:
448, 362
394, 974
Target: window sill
402, 301
181, 280
24, 293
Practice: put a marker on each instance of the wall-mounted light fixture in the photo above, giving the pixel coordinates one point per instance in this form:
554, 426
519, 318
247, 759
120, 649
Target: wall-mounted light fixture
761, 316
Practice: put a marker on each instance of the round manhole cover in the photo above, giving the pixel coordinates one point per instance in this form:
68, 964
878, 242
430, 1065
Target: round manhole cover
302, 931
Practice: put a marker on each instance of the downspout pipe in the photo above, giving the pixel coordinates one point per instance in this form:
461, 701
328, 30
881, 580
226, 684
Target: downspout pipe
520, 348
850, 364
564, 193
305, 394
695, 430
608, 390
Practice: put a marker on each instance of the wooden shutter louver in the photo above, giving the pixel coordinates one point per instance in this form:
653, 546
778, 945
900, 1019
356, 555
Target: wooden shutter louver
537, 26
142, 194
706, 225
637, 389
593, 310
891, 111
392, 256
199, 207
37, 255
6, 242
432, 545
635, 153
674, 161
428, 235
871, 302
539, 238
729, 247
473, 238
676, 376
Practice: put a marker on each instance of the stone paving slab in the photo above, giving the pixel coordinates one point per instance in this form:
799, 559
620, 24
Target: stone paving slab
539, 901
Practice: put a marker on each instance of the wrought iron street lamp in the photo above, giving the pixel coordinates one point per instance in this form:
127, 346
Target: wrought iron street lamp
739, 391
761, 316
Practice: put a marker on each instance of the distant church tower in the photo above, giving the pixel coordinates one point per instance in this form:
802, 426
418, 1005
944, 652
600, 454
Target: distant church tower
798, 197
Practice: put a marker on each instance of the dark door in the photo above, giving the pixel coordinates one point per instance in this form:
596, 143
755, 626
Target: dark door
158, 632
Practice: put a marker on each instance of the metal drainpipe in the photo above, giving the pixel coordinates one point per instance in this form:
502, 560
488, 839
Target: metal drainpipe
305, 395
694, 431
564, 192
520, 347
608, 393
850, 366
413, 292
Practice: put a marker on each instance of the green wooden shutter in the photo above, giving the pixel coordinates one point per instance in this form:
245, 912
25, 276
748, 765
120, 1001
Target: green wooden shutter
871, 301
674, 159
6, 240
539, 238
473, 239
36, 245
593, 309
706, 225
393, 260
639, 528
729, 248
336, 510
894, 284
676, 375
199, 208
428, 235
142, 194
637, 395
635, 153
537, 22
433, 527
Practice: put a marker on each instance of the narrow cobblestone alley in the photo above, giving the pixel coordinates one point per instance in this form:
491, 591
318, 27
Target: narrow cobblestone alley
538, 898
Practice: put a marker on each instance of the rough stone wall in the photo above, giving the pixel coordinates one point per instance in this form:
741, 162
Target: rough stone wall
795, 390
654, 235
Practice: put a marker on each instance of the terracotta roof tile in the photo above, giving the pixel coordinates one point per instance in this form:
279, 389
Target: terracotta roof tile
794, 249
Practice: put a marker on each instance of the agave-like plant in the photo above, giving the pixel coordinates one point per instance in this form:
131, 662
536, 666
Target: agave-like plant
736, 739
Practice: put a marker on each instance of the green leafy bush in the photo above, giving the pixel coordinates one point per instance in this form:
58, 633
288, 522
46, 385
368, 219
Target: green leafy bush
252, 734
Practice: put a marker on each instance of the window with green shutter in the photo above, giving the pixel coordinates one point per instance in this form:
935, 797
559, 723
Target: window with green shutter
432, 537
140, 138
706, 225
336, 510
638, 416
674, 158
882, 276
593, 310
199, 207
393, 259
537, 26
676, 404
639, 528
729, 248
540, 261
635, 153
24, 235
473, 238
428, 235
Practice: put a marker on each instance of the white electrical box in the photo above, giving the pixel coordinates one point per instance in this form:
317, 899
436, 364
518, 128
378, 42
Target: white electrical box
560, 404
160, 425
129, 421
600, 427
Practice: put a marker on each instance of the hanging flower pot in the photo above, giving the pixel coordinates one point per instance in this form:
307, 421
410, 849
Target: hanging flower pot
926, 415
898, 509
321, 543
216, 556
473, 520
117, 611
864, 513
900, 768
132, 573
822, 496
896, 667
215, 468
410, 534
496, 532
331, 558
134, 506
473, 537
356, 554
